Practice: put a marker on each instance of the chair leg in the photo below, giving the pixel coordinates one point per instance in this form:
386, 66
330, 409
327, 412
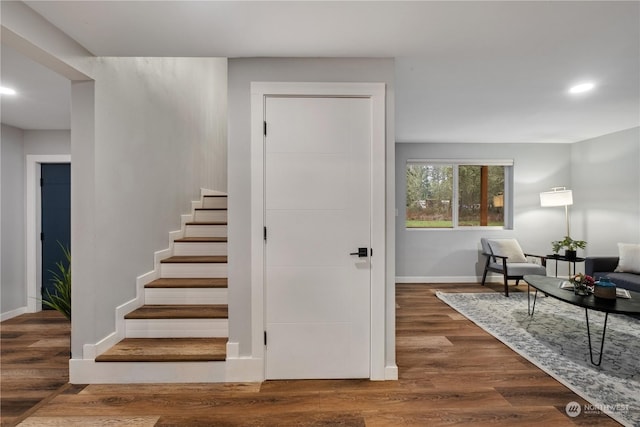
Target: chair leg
506, 286
506, 275
486, 270
517, 282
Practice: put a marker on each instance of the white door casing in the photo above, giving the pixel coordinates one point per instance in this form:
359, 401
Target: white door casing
32, 225
372, 94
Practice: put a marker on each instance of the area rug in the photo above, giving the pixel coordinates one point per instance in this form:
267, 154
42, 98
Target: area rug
555, 340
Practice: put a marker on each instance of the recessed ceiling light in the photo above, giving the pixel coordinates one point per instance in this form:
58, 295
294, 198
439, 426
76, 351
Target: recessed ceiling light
7, 91
582, 87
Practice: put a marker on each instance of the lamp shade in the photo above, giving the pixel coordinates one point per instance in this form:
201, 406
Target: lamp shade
558, 196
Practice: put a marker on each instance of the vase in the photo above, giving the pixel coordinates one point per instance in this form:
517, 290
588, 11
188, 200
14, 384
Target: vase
570, 254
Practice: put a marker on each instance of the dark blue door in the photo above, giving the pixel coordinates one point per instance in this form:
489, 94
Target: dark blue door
56, 218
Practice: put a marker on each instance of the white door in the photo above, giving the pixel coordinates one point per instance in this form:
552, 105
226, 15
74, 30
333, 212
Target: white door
317, 212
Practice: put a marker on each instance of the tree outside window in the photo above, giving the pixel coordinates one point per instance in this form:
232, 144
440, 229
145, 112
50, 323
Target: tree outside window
475, 191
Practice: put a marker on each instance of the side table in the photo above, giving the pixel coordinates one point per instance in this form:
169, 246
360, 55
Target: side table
571, 261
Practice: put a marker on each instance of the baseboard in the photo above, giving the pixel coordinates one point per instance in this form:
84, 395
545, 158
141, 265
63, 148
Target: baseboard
446, 279
91, 372
91, 351
391, 372
244, 369
12, 313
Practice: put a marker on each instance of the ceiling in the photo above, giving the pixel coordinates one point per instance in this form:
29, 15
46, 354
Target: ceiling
474, 71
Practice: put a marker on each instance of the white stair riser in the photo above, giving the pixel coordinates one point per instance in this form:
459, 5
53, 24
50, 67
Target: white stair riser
90, 372
206, 216
206, 231
200, 248
187, 296
214, 203
205, 270
177, 328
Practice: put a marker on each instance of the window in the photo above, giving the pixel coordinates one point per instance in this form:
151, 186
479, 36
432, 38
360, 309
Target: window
455, 194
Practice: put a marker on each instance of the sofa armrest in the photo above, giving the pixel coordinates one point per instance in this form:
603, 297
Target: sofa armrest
599, 264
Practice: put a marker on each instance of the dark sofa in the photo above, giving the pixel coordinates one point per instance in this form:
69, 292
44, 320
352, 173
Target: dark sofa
598, 267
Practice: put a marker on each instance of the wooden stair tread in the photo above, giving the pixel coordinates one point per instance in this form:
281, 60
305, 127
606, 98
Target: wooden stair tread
201, 240
188, 283
194, 259
195, 311
207, 223
166, 350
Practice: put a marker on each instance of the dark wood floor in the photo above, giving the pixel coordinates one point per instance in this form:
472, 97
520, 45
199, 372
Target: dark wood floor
451, 373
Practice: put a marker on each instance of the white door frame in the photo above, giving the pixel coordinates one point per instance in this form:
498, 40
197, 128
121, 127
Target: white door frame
376, 92
33, 255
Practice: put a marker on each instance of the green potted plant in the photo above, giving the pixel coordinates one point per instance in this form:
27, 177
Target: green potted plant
571, 246
60, 298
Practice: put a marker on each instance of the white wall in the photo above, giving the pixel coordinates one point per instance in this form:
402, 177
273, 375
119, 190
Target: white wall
454, 255
12, 252
241, 73
606, 191
159, 136
47, 142
146, 135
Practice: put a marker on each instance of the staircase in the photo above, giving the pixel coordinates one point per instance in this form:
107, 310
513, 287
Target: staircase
184, 317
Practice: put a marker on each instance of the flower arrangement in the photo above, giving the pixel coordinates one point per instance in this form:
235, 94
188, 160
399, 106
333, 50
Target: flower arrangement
582, 283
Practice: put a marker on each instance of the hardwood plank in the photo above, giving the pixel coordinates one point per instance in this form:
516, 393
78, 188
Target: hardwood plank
202, 239
194, 259
309, 419
207, 223
196, 311
226, 389
166, 350
90, 421
188, 283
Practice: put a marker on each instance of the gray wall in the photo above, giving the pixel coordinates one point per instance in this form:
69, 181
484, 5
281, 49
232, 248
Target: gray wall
16, 145
12, 252
606, 191
603, 172
241, 73
454, 255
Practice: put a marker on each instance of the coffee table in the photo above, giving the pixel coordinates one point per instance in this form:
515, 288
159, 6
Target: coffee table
550, 286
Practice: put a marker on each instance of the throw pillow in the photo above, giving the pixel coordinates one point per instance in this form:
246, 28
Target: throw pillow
509, 248
629, 258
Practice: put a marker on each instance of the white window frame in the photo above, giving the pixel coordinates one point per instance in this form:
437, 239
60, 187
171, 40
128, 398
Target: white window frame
456, 163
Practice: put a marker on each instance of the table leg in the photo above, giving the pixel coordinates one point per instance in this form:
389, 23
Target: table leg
530, 309
604, 331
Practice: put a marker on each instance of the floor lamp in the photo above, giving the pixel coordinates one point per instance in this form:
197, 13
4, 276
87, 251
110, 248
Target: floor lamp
558, 196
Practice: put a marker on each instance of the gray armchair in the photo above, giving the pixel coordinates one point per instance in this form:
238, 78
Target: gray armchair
505, 257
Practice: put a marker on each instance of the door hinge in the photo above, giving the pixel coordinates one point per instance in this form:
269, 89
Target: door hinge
265, 234
265, 338
264, 128
42, 237
41, 182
